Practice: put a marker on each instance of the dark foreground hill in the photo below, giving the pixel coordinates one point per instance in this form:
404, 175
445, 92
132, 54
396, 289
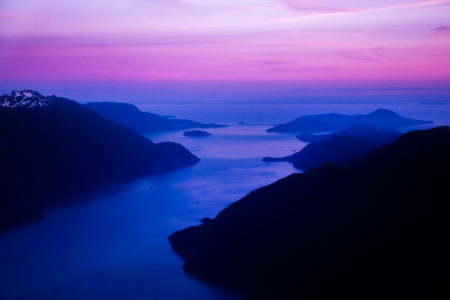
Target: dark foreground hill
335, 149
381, 118
143, 122
352, 142
53, 149
373, 228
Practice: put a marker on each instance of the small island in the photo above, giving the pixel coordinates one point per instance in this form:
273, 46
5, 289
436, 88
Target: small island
196, 133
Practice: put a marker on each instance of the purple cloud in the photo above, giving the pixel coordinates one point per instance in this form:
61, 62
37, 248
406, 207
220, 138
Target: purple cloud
442, 29
355, 5
315, 6
369, 55
307, 69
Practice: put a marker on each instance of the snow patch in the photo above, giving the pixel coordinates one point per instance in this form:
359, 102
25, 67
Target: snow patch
24, 98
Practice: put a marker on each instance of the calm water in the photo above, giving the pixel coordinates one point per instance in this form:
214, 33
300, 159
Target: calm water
115, 246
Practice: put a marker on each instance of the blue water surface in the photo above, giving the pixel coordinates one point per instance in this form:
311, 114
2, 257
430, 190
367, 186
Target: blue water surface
114, 245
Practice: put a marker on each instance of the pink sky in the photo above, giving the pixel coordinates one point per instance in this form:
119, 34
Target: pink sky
197, 41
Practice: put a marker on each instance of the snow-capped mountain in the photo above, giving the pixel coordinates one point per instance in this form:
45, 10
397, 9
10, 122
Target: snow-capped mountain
53, 149
24, 99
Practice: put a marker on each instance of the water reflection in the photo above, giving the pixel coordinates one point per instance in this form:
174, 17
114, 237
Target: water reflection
115, 246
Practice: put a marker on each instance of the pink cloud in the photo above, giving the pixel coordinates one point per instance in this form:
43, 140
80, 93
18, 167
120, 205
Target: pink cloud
154, 41
234, 58
355, 5
442, 29
317, 6
19, 16
368, 55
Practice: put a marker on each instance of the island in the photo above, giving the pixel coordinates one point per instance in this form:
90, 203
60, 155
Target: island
352, 142
376, 136
53, 150
372, 227
381, 118
143, 122
196, 133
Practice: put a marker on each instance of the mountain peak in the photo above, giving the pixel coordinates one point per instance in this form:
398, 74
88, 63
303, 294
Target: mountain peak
384, 112
23, 98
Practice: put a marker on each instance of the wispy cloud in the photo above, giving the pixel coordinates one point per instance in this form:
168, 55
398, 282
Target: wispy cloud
355, 6
442, 29
21, 16
306, 69
269, 63
369, 55
252, 40
316, 6
319, 11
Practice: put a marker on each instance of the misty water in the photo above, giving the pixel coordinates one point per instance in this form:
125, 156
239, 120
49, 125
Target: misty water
114, 245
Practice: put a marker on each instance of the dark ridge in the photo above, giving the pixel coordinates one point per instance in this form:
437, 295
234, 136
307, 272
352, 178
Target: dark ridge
374, 227
335, 149
352, 142
143, 122
310, 137
52, 153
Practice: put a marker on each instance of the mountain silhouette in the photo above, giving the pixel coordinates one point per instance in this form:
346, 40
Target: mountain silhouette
53, 149
381, 118
335, 149
352, 142
373, 227
143, 122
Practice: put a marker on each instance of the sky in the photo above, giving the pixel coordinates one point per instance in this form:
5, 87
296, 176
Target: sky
182, 50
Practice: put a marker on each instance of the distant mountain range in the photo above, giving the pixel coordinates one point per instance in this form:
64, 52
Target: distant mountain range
381, 118
143, 122
354, 141
53, 149
373, 227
